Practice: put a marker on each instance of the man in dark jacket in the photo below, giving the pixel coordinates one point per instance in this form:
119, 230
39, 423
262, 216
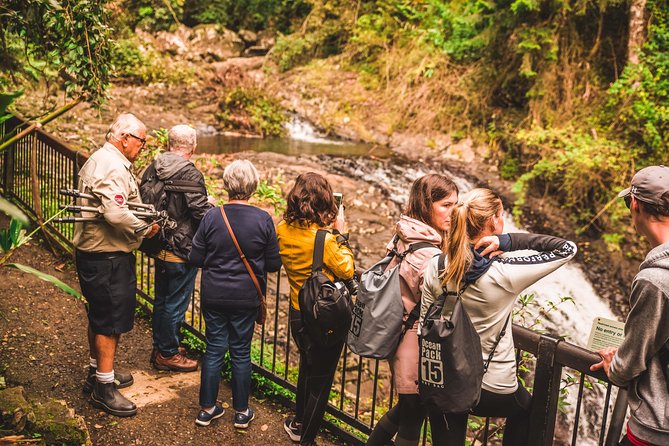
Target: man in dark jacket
175, 277
642, 360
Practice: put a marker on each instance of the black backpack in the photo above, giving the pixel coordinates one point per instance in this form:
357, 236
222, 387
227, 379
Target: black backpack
451, 366
325, 305
158, 192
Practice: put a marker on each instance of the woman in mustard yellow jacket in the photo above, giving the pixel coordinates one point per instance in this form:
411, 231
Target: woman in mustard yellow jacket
311, 206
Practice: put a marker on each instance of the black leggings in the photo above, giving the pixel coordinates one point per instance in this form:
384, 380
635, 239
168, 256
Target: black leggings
314, 382
406, 419
515, 407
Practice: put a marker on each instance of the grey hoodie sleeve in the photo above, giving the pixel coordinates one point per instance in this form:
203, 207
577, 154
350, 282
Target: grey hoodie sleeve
646, 331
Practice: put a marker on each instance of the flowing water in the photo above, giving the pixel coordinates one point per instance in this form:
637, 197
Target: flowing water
302, 139
571, 320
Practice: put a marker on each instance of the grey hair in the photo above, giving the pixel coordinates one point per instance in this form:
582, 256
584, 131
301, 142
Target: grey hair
240, 179
181, 138
125, 124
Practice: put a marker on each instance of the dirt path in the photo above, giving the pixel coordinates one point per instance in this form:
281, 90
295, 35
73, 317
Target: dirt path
43, 348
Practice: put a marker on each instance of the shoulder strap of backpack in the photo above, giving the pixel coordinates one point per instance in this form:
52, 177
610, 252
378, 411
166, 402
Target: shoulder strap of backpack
149, 173
441, 264
412, 248
319, 249
411, 320
183, 186
497, 341
420, 245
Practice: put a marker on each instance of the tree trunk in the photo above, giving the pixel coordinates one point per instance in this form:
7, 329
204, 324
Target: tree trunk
637, 30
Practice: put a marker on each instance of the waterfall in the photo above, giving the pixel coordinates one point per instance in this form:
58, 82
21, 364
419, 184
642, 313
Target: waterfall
301, 130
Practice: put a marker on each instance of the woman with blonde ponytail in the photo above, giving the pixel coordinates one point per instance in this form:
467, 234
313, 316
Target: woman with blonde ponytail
490, 284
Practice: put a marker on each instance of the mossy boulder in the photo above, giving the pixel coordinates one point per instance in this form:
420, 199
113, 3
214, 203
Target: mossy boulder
58, 423
15, 411
52, 419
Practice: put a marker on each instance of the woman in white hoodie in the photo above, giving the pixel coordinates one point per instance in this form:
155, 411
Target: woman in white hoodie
491, 286
425, 221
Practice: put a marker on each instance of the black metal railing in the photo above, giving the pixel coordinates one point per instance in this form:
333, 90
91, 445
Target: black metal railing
37, 166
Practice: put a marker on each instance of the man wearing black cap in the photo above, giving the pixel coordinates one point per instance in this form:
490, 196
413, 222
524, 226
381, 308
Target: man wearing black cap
642, 361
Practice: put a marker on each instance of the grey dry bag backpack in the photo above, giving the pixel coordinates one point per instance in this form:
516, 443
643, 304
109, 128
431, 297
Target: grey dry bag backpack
377, 326
451, 367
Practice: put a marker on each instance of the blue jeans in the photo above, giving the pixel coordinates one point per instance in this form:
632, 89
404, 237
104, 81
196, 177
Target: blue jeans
230, 329
174, 288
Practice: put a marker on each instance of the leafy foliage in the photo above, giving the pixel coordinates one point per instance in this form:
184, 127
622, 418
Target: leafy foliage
324, 33
558, 160
638, 103
12, 237
245, 14
47, 278
146, 65
49, 38
152, 15
13, 211
250, 110
6, 100
271, 194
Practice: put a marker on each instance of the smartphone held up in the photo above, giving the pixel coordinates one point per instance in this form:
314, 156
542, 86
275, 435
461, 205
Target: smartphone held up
339, 199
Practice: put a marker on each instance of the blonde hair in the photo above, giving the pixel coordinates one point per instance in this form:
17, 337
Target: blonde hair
469, 219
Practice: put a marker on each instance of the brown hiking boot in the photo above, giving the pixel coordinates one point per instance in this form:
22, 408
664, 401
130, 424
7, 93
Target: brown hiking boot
176, 363
154, 353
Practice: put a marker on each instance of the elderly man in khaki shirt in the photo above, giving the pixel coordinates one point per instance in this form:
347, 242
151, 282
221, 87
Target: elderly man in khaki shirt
105, 259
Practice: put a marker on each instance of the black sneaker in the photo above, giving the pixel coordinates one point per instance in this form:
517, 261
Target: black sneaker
242, 420
293, 429
204, 417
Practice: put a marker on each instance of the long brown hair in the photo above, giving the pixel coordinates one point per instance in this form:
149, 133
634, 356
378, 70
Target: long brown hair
469, 219
311, 201
425, 191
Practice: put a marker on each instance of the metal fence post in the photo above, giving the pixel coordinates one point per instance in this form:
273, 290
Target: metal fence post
617, 419
8, 170
543, 410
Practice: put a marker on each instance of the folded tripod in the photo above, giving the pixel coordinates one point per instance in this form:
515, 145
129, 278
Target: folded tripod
139, 210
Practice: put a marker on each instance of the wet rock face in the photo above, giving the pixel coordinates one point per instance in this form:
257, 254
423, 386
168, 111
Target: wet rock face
249, 37
209, 43
238, 71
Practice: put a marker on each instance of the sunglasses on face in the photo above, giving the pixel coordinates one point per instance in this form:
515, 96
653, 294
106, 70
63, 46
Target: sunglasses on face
142, 140
628, 200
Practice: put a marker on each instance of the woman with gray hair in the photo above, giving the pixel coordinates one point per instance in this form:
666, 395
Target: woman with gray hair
229, 288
